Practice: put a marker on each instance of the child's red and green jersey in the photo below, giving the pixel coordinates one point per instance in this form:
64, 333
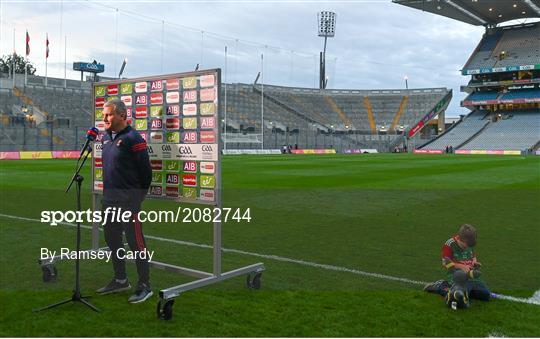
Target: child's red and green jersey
453, 254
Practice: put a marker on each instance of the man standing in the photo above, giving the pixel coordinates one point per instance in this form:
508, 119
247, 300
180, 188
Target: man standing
127, 174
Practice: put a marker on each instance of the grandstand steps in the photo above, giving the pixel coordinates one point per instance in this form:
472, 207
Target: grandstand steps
316, 113
474, 135
536, 146
27, 100
447, 131
6, 137
371, 119
402, 106
286, 107
342, 116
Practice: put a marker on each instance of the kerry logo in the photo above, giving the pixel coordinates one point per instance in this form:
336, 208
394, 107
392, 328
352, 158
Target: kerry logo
190, 82
99, 114
98, 174
173, 137
208, 181
172, 166
189, 123
189, 193
157, 177
156, 111
100, 91
126, 88
208, 108
141, 125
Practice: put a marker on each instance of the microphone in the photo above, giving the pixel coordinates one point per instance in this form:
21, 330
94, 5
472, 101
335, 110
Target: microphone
91, 135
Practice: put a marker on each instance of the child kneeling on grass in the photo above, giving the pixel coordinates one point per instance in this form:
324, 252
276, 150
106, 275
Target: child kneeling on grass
463, 271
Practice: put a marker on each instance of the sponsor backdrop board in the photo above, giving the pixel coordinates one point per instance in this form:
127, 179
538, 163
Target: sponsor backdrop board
178, 116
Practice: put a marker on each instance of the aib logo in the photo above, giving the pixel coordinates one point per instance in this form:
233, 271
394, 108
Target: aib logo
156, 190
185, 150
207, 148
156, 85
166, 148
190, 166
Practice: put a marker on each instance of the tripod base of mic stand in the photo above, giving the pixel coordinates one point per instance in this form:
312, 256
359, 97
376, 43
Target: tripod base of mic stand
76, 297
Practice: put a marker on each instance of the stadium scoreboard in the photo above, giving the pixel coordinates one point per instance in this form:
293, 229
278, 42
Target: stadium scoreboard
177, 115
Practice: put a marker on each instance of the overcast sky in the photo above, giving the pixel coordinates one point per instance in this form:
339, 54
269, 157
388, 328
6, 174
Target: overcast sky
377, 43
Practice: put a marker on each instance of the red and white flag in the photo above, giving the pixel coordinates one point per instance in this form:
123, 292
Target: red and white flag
47, 47
27, 43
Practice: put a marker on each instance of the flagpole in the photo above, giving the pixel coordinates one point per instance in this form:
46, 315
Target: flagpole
46, 55
13, 59
65, 61
27, 54
262, 99
26, 64
225, 120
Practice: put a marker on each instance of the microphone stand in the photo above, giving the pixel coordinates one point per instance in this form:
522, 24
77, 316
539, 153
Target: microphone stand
76, 297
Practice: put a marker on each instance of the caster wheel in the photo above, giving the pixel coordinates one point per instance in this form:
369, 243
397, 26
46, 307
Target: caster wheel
50, 273
165, 309
253, 281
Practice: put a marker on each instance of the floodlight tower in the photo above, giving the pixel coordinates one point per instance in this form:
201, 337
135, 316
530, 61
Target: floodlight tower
327, 29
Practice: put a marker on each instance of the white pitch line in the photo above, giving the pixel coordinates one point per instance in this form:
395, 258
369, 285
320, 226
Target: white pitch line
535, 299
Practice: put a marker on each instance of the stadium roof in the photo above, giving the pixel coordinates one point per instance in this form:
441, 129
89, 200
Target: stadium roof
478, 12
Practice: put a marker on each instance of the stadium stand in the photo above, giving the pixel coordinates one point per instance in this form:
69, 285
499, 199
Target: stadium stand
504, 93
482, 96
507, 46
522, 94
514, 130
463, 131
311, 118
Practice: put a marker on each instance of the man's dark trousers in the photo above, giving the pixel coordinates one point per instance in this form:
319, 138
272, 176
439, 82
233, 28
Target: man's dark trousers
133, 229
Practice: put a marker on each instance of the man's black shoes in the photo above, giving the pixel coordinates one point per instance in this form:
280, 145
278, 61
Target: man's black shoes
142, 293
114, 287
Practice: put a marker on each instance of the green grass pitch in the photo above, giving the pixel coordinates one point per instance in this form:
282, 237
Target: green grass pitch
386, 214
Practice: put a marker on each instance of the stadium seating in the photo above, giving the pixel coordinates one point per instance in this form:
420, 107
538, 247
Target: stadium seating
522, 94
461, 132
309, 117
507, 47
482, 96
516, 130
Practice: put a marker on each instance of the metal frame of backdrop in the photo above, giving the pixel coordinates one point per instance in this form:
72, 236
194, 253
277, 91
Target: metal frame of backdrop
167, 295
